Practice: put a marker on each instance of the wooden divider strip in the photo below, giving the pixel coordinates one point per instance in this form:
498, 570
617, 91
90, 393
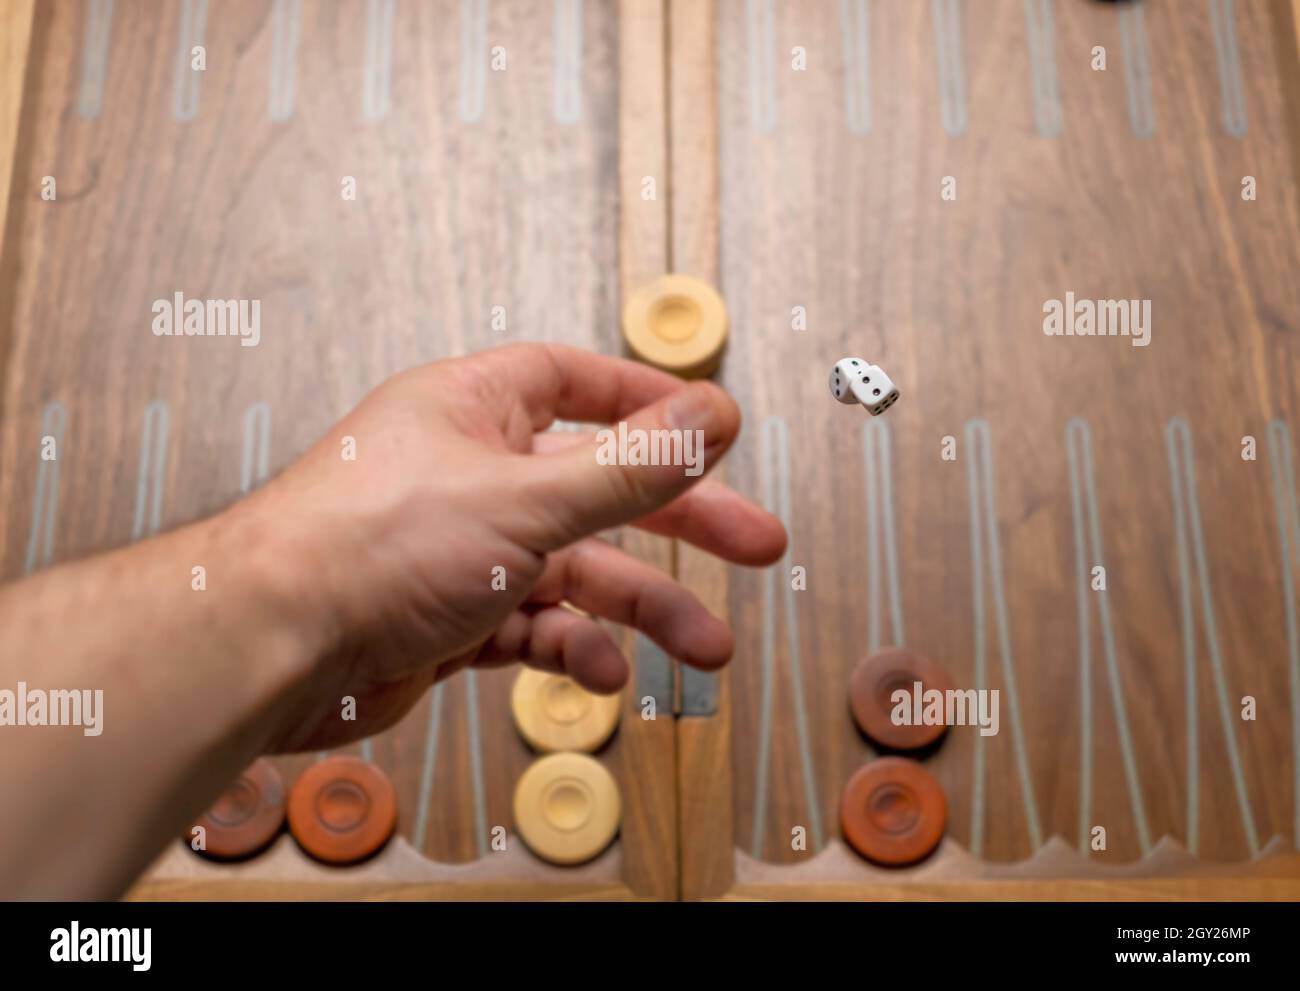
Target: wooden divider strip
15, 38
1295, 22
17, 26
693, 140
642, 143
668, 181
649, 838
706, 828
1287, 20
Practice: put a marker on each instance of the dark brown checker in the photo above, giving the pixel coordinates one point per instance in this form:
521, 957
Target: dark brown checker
892, 812
342, 810
246, 818
872, 700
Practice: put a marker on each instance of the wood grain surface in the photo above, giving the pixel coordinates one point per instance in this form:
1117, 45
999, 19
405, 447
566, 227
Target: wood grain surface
812, 196
15, 36
650, 817
947, 296
470, 194
704, 769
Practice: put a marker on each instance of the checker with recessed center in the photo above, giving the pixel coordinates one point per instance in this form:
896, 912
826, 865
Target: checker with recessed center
553, 712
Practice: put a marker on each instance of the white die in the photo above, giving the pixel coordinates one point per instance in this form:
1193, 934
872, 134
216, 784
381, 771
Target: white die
854, 380
843, 375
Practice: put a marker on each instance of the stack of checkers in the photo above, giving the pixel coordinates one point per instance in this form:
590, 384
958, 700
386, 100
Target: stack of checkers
341, 810
566, 805
893, 811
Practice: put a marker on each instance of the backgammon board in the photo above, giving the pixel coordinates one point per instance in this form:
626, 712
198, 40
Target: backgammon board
1102, 527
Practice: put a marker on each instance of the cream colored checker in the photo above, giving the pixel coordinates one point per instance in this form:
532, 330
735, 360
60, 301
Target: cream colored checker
552, 712
677, 323
567, 808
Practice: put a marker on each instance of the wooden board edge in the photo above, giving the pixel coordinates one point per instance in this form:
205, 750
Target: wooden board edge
1056, 872
1197, 889
399, 872
1286, 18
16, 18
649, 748
173, 889
707, 832
20, 31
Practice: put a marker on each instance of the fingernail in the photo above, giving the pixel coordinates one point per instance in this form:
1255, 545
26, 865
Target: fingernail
692, 408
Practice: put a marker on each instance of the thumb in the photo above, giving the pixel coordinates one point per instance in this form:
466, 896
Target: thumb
630, 469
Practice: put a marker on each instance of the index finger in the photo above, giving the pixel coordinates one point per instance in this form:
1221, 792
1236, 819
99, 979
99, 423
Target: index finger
555, 381
711, 515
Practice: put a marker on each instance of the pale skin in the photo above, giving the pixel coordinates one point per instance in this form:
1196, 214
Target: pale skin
370, 578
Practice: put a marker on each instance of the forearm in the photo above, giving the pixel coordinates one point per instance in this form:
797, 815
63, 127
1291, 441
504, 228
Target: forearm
192, 680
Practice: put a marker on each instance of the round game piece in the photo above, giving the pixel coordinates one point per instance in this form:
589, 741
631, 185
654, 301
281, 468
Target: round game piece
876, 678
567, 808
893, 812
677, 323
553, 712
247, 816
343, 809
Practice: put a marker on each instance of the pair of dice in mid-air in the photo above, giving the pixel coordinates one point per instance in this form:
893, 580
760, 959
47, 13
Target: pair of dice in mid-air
854, 381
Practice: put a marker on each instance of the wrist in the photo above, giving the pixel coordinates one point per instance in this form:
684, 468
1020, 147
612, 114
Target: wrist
276, 613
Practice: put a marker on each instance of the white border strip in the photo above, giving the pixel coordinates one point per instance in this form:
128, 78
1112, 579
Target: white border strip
187, 81
1187, 516
377, 76
1088, 554
775, 456
473, 59
983, 513
1137, 69
286, 26
568, 61
45, 501
1288, 537
418, 835
254, 466
877, 461
761, 33
476, 762
1227, 56
857, 64
1042, 63
94, 57
154, 430
952, 75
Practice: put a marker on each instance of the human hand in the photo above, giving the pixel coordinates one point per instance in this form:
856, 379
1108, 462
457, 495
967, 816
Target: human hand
452, 478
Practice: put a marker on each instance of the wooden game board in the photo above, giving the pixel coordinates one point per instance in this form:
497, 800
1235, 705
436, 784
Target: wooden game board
1123, 184
814, 191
